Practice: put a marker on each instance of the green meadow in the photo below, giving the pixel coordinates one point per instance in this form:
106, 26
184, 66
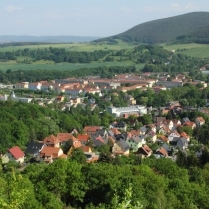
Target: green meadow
48, 65
192, 49
90, 46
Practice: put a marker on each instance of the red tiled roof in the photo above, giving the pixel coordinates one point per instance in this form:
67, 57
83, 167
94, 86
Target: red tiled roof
183, 134
50, 151
51, 140
164, 138
16, 152
91, 129
201, 119
83, 137
86, 148
190, 124
99, 138
115, 131
135, 132
146, 149
76, 144
65, 137
163, 151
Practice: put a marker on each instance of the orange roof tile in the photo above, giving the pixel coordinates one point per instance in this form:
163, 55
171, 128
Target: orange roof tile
51, 140
164, 138
115, 131
190, 124
135, 132
76, 144
86, 148
201, 119
83, 137
65, 137
50, 151
91, 129
163, 151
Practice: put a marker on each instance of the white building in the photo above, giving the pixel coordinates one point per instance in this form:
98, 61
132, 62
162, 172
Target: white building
135, 109
14, 154
20, 99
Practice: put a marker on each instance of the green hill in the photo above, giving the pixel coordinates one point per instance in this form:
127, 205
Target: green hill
164, 30
200, 36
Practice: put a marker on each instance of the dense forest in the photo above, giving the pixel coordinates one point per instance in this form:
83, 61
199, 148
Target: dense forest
55, 54
199, 36
123, 181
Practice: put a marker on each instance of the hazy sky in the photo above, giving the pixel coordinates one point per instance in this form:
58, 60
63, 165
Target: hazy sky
86, 17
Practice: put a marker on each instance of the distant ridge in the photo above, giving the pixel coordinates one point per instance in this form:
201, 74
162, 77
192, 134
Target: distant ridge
164, 30
46, 39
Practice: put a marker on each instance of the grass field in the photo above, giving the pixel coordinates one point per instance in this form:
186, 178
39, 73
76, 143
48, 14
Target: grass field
193, 50
73, 46
48, 65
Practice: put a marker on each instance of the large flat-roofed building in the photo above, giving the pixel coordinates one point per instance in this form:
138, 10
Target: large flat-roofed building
130, 110
170, 84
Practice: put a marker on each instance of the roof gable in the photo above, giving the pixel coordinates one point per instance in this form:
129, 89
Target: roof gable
51, 140
65, 137
50, 151
16, 152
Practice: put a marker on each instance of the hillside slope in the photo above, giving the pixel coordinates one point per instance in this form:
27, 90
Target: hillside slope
200, 36
164, 30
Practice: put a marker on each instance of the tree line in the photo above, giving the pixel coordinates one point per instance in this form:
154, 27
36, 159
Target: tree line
55, 54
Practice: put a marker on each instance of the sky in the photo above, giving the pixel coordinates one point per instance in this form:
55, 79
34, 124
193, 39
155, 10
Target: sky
99, 18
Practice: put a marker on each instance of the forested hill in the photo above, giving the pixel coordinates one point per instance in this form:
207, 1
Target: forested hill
164, 30
200, 36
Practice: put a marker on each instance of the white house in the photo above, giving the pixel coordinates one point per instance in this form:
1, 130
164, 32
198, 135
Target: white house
35, 86
14, 154
172, 135
200, 121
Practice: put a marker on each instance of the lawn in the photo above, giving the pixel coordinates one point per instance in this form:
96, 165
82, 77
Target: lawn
90, 46
48, 65
193, 50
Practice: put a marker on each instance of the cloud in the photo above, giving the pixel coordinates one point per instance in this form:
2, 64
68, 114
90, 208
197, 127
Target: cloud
125, 10
153, 9
176, 6
183, 8
74, 13
11, 8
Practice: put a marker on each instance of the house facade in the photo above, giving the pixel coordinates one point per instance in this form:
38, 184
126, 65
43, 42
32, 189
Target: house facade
14, 154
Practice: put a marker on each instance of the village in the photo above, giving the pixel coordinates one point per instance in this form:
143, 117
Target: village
160, 138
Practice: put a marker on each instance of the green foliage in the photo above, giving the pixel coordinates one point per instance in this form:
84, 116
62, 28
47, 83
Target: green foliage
152, 183
166, 29
78, 156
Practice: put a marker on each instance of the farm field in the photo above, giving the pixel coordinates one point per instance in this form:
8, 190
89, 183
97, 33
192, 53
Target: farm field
90, 46
192, 49
48, 65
